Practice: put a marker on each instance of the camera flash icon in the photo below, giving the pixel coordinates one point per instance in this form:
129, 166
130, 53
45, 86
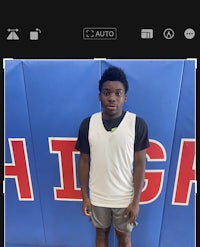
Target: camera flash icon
34, 34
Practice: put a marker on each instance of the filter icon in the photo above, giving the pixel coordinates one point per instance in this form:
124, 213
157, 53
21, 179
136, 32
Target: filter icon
168, 33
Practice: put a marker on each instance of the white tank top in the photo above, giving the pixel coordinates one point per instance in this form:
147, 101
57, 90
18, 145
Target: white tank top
111, 164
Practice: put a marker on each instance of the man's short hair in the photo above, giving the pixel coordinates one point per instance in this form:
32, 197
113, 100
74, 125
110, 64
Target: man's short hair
113, 73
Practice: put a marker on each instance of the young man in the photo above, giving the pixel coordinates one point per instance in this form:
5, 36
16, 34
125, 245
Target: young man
112, 162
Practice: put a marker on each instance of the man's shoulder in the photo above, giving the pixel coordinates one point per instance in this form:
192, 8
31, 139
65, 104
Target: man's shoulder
141, 123
86, 120
130, 115
140, 119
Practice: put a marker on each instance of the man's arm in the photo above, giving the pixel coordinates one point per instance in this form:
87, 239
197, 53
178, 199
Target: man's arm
138, 181
139, 174
83, 172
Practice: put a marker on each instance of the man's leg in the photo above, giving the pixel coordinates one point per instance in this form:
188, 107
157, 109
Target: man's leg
102, 237
101, 219
122, 226
124, 238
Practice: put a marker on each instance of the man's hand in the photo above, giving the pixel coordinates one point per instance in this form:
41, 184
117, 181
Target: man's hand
132, 211
86, 207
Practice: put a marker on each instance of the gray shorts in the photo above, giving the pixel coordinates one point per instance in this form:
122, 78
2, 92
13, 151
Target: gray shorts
103, 218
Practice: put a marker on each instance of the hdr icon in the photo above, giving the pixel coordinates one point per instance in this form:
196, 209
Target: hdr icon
99, 33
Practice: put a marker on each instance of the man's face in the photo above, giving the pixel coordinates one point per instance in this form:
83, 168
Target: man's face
112, 98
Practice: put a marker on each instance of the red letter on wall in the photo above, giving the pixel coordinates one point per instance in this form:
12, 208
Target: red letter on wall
19, 169
65, 148
185, 174
153, 178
